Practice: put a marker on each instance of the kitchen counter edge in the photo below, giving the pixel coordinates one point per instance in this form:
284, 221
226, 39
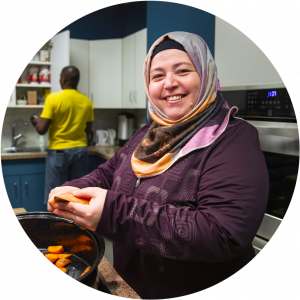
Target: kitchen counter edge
114, 282
105, 152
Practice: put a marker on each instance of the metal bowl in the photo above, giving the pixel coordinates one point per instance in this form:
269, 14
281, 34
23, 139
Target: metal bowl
87, 248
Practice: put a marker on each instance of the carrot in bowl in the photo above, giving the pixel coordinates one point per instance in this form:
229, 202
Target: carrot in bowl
62, 262
85, 271
62, 255
56, 249
52, 257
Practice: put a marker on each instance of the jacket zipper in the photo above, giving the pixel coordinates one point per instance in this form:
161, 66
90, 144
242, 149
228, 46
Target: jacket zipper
137, 182
136, 185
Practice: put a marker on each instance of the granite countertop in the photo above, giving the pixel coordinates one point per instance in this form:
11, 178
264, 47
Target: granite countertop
109, 276
105, 152
114, 282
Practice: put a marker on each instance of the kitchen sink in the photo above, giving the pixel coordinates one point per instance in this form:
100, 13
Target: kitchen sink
30, 149
22, 150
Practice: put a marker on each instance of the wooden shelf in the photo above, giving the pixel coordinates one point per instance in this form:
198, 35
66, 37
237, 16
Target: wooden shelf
27, 106
43, 86
40, 63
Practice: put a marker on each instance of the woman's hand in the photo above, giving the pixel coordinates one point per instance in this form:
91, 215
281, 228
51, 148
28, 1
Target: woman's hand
85, 215
57, 191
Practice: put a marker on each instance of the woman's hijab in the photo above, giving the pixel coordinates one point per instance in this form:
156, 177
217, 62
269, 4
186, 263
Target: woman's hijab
204, 64
168, 140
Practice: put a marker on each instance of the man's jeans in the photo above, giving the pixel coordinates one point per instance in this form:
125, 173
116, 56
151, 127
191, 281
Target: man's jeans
64, 165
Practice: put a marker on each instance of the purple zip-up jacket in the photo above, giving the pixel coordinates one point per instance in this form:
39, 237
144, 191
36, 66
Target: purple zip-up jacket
190, 227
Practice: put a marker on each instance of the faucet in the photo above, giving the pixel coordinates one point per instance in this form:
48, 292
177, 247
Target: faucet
15, 137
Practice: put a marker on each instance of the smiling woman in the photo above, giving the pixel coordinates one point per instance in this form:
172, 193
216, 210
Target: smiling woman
184, 198
174, 83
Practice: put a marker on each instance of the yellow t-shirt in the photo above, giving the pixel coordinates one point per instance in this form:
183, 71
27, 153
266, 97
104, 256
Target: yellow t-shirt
69, 111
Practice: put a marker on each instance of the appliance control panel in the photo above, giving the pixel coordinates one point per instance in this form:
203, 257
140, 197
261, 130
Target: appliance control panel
262, 104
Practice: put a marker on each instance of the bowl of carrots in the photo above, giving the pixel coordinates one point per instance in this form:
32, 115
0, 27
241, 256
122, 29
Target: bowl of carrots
69, 247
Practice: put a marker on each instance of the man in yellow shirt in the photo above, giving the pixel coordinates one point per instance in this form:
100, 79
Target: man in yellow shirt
68, 115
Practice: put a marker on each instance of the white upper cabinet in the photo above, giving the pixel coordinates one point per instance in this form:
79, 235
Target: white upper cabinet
79, 58
134, 54
140, 55
105, 73
60, 57
111, 71
240, 62
128, 71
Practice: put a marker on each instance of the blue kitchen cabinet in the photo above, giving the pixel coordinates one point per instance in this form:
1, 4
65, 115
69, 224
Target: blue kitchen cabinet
26, 191
12, 184
32, 189
24, 180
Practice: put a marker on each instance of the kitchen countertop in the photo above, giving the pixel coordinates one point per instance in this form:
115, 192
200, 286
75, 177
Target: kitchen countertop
114, 282
109, 276
105, 152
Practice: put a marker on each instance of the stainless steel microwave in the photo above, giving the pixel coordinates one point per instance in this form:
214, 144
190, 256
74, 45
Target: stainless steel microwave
269, 108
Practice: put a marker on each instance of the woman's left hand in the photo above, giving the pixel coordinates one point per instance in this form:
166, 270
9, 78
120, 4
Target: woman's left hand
87, 216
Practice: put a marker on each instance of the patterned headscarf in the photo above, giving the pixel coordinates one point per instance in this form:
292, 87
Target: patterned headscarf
168, 140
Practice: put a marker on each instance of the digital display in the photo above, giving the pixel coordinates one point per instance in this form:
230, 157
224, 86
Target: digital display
269, 104
272, 94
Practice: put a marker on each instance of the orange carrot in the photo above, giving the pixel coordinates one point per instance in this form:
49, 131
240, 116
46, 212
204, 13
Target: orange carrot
62, 262
56, 249
69, 198
85, 271
64, 255
52, 257
63, 269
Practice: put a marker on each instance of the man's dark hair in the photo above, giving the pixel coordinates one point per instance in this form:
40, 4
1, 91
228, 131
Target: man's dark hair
71, 74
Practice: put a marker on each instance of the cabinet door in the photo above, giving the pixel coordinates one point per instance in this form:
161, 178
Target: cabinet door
240, 62
33, 187
128, 70
12, 184
140, 55
79, 58
105, 66
60, 57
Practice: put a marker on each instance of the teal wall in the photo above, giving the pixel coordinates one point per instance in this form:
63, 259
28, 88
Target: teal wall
159, 17
164, 17
113, 22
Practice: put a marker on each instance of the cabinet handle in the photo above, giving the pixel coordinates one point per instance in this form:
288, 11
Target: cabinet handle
92, 97
26, 188
16, 189
135, 96
130, 96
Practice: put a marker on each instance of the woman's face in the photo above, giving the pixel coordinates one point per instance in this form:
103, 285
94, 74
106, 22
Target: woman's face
174, 83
